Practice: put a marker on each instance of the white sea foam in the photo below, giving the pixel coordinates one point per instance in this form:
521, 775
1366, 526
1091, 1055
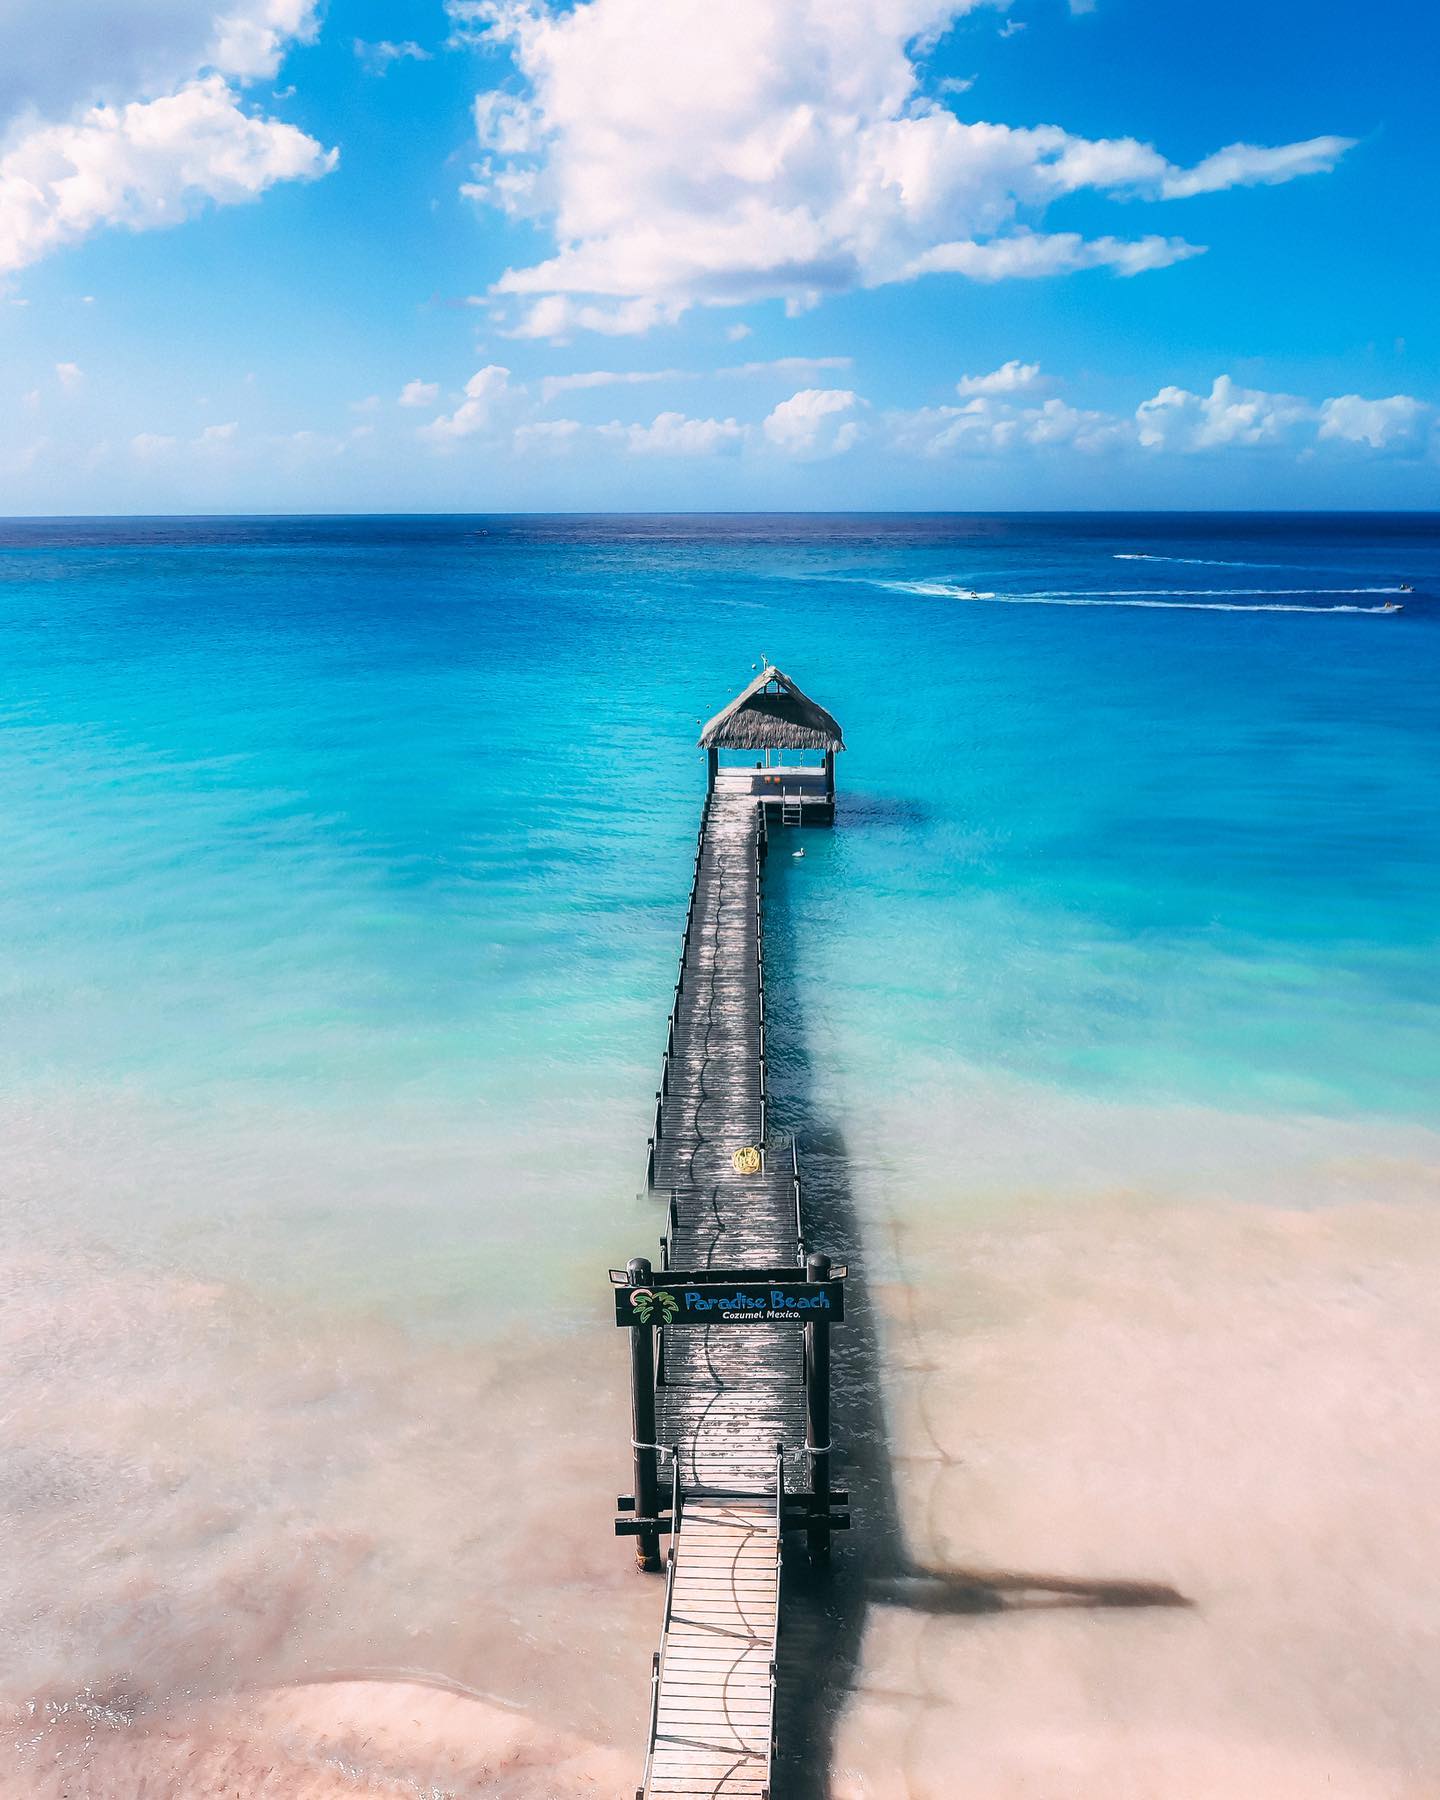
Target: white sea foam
941, 589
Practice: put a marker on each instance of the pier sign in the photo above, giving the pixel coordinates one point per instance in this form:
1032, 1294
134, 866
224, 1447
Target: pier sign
737, 1302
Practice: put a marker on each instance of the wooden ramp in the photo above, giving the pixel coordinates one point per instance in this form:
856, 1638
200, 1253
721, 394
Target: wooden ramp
712, 1718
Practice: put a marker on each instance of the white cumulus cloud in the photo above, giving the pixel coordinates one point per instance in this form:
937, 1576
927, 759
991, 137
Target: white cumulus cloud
1056, 422
1013, 377
138, 124
489, 399
557, 316
691, 153
147, 164
419, 393
1228, 415
1000, 417
672, 434
1391, 424
814, 423
251, 37
995, 424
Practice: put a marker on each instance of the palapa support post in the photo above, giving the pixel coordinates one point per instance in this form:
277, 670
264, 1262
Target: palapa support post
817, 1415
642, 1425
713, 770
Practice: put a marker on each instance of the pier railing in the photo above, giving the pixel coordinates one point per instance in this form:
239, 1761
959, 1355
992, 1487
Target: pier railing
775, 1632
760, 980
799, 1210
677, 1500
662, 1093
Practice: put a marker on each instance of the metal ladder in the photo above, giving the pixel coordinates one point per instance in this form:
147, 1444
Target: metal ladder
790, 808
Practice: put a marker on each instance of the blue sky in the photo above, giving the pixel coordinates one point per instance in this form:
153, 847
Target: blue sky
373, 255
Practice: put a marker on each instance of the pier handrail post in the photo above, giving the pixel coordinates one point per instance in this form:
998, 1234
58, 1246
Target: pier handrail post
642, 1425
817, 1415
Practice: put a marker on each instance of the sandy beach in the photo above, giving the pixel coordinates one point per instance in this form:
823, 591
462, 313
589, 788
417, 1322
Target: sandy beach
1184, 1460
198, 1554
1163, 1472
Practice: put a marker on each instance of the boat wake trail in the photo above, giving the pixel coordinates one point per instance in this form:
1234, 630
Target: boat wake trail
1194, 562
1226, 562
1289, 600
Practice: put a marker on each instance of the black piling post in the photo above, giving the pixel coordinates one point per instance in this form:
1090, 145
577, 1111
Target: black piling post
642, 1425
817, 1415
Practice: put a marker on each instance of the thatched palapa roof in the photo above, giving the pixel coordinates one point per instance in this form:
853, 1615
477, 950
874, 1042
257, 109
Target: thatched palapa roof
772, 714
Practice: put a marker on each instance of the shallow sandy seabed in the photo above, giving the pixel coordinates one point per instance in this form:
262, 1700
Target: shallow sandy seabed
260, 1552
1236, 1403
241, 1537
328, 1742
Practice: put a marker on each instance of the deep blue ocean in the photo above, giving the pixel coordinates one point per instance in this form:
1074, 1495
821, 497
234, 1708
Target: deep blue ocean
344, 869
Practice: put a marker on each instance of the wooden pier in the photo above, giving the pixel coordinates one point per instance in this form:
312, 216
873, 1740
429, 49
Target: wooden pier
730, 1354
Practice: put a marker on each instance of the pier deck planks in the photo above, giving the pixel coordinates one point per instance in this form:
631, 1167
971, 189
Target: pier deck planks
726, 1396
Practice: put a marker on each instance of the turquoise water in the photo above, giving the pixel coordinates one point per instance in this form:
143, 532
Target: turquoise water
345, 856
344, 870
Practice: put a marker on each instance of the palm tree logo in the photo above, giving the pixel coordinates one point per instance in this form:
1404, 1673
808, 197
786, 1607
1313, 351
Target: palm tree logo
644, 1301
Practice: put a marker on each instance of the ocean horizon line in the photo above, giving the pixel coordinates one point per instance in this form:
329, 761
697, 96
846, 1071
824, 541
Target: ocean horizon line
1078, 512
